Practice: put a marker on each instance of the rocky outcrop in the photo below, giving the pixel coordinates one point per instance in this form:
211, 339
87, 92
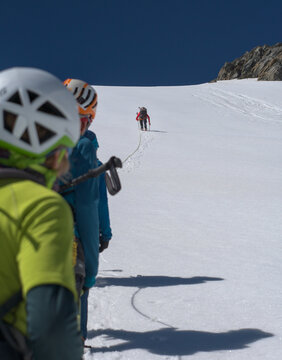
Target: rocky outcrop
262, 62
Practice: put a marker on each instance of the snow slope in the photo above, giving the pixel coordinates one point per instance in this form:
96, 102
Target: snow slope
194, 268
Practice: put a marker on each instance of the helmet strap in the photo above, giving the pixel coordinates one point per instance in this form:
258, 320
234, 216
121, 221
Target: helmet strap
49, 174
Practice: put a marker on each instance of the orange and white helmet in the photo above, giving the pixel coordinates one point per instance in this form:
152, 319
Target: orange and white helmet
85, 95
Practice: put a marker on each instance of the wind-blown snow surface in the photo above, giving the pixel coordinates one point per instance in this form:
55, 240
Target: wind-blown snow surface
194, 268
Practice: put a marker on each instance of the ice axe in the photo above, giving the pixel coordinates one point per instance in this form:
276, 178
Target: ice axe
112, 179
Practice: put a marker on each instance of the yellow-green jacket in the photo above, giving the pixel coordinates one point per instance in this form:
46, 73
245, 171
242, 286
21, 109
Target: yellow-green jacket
36, 234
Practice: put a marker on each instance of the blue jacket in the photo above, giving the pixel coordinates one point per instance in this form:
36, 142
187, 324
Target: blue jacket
89, 202
105, 230
104, 216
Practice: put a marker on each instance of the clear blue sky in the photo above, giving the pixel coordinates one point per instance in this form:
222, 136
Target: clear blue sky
135, 42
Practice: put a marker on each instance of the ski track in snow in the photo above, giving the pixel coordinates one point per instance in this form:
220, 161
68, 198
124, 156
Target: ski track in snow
151, 319
135, 307
107, 307
250, 107
133, 160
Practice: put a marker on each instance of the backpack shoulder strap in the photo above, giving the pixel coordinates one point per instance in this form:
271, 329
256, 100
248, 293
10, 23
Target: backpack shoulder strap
10, 304
12, 173
12, 335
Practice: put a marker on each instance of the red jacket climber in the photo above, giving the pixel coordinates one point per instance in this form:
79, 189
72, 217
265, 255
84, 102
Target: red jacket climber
142, 116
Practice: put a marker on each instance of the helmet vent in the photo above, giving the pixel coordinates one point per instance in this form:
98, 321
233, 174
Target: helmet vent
32, 95
50, 109
43, 133
25, 137
75, 90
15, 98
9, 121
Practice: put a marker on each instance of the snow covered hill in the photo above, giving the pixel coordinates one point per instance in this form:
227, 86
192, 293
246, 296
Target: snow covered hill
194, 268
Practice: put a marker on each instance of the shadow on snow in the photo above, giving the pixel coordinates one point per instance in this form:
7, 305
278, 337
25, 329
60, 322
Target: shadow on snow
173, 342
158, 131
152, 281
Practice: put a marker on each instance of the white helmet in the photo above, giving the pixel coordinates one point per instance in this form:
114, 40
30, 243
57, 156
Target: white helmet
37, 113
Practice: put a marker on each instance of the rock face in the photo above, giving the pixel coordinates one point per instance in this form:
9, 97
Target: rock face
262, 62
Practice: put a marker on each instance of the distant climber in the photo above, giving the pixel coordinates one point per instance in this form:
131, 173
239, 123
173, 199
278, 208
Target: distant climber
142, 117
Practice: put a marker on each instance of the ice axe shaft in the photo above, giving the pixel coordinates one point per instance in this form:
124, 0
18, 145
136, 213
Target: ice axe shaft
112, 179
